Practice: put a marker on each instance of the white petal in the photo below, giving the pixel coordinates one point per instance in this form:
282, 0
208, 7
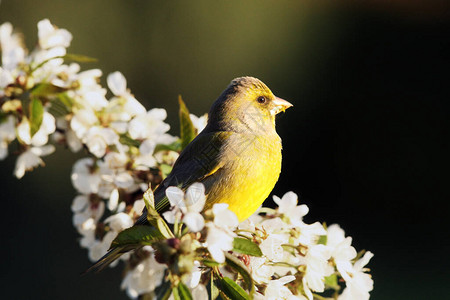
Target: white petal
96, 145
286, 279
194, 277
147, 147
175, 196
3, 150
169, 216
113, 200
199, 292
363, 260
119, 222
73, 141
217, 254
124, 180
138, 206
194, 221
79, 203
7, 129
223, 217
117, 83
25, 162
157, 113
195, 197
44, 150
23, 131
133, 106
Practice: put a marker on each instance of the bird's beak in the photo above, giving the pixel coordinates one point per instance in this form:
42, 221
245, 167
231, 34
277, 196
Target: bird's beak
279, 105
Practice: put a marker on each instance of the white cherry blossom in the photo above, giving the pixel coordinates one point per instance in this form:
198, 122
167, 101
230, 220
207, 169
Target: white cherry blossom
317, 268
199, 122
189, 205
276, 290
361, 283
145, 277
7, 134
11, 45
342, 251
86, 176
287, 205
31, 158
118, 86
150, 126
98, 138
50, 36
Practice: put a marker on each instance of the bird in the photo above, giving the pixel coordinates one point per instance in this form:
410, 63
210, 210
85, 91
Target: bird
237, 156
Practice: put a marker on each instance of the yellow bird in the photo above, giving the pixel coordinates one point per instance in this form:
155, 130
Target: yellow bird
237, 156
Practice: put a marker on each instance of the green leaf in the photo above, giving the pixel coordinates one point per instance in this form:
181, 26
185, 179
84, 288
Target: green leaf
233, 262
163, 291
245, 246
149, 199
46, 89
125, 139
175, 146
61, 105
322, 240
210, 263
79, 58
36, 115
183, 292
213, 291
66, 100
165, 170
153, 216
137, 235
232, 290
3, 117
332, 281
187, 129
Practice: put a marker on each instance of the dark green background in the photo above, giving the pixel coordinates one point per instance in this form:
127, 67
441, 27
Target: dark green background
366, 144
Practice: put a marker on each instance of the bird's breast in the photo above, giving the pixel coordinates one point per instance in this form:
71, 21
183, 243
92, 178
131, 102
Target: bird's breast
251, 167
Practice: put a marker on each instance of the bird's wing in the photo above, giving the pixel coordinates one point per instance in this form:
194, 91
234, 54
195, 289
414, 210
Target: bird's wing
197, 162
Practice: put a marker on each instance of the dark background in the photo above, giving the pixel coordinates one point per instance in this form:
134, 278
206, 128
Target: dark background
366, 144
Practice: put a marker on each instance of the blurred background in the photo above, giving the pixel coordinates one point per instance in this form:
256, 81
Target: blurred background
366, 144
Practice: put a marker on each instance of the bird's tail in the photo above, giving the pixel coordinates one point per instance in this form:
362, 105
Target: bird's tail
108, 258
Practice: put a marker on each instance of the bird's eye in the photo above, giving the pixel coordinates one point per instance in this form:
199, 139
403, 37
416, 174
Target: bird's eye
261, 99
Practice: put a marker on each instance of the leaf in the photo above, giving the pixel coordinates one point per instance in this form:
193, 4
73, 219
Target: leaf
154, 217
165, 170
213, 291
36, 115
332, 281
232, 290
183, 292
149, 199
210, 263
79, 58
125, 139
245, 246
3, 117
163, 291
61, 106
137, 235
233, 262
66, 100
175, 146
187, 129
322, 240
46, 89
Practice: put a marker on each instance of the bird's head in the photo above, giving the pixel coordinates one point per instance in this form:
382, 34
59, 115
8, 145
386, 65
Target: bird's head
247, 104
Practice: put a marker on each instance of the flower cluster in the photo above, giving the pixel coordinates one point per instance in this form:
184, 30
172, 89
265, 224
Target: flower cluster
272, 255
42, 96
187, 252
